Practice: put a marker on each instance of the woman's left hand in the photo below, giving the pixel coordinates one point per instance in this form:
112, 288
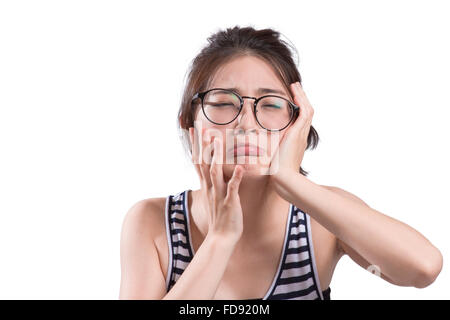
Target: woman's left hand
288, 158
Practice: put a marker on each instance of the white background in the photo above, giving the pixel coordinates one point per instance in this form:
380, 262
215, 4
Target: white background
89, 95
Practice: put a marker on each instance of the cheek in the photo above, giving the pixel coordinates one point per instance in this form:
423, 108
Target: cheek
200, 119
274, 141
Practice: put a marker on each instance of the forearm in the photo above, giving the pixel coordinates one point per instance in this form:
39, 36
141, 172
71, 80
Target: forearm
202, 276
400, 252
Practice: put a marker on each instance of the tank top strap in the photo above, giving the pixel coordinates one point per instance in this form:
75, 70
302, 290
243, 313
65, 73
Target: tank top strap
178, 237
297, 277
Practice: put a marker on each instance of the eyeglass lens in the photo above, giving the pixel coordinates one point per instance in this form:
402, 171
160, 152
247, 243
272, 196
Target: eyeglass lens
222, 107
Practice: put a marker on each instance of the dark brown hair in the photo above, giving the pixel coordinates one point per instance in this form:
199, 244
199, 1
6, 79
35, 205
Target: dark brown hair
225, 45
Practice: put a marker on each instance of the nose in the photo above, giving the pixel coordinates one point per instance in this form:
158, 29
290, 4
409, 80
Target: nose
246, 118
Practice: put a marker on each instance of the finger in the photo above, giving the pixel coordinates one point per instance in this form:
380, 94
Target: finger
216, 170
233, 184
205, 163
301, 101
309, 110
195, 153
300, 121
304, 99
198, 150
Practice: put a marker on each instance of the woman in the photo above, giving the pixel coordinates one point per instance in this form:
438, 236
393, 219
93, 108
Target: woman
257, 228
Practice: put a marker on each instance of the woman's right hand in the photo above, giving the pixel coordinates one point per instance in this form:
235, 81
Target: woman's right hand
223, 203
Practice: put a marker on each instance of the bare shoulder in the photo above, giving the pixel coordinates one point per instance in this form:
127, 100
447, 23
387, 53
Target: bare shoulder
146, 216
141, 274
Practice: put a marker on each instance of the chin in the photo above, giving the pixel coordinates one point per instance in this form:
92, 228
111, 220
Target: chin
251, 170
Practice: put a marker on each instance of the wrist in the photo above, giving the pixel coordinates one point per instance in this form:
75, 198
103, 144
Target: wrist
283, 181
221, 242
281, 176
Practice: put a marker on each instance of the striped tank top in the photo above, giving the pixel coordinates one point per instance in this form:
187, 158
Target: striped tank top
296, 277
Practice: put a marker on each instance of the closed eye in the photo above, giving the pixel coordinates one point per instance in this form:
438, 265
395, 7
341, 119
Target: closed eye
272, 106
221, 104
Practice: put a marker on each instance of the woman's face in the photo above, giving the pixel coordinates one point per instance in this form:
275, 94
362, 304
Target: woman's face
247, 74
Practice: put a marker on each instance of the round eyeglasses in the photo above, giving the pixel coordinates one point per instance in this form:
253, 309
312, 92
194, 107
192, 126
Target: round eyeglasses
222, 106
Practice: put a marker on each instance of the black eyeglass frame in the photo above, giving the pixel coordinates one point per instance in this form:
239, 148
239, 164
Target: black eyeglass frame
201, 95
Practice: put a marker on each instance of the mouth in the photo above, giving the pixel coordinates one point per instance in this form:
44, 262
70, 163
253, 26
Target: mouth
246, 149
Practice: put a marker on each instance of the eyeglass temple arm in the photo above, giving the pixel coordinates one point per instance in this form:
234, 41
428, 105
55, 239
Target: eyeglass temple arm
197, 95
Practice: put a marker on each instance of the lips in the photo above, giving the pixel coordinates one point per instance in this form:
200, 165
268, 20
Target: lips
246, 149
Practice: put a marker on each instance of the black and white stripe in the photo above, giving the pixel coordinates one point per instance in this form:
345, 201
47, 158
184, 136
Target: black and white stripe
178, 238
296, 277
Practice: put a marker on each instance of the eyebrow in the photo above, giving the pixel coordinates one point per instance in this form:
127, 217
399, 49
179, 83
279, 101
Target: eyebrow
261, 91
